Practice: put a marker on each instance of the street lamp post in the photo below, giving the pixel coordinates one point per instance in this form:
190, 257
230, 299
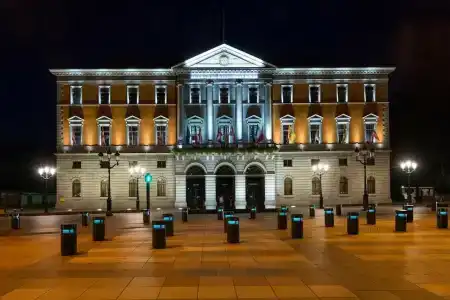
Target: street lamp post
320, 169
46, 173
363, 155
408, 167
137, 172
105, 162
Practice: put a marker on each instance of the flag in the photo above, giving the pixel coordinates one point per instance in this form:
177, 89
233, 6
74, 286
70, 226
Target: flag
219, 135
291, 135
232, 135
344, 135
188, 136
74, 140
375, 137
199, 139
261, 136
103, 137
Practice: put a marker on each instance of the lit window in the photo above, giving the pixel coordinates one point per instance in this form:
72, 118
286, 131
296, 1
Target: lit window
161, 124
104, 188
369, 92
133, 126
288, 186
76, 95
314, 93
76, 131
133, 94
104, 131
315, 184
315, 129
370, 126
371, 185
132, 188
287, 125
254, 128
194, 130
342, 129
161, 94
225, 134
104, 95
76, 188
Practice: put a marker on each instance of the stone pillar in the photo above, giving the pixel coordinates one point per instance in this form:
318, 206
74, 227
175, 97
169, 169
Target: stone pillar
239, 118
269, 184
210, 192
268, 112
179, 107
180, 191
209, 110
241, 201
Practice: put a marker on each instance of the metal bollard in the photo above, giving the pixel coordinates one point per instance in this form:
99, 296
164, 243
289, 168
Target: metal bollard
159, 234
15, 221
282, 219
98, 228
233, 230
400, 220
442, 218
220, 213
146, 216
312, 211
329, 216
252, 213
353, 223
168, 218
371, 216
68, 239
297, 226
409, 212
84, 219
226, 215
184, 214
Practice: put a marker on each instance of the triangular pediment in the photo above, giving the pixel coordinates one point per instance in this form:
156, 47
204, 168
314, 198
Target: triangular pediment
343, 117
370, 116
224, 56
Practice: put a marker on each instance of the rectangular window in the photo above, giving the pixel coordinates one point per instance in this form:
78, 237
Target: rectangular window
75, 95
194, 133
253, 133
253, 95
371, 161
369, 132
315, 161
104, 164
161, 95
285, 134
104, 95
161, 164
369, 92
314, 94
286, 94
133, 94
342, 162
287, 163
76, 165
224, 133
195, 95
133, 135
105, 136
342, 133
161, 135
76, 135
342, 93
224, 96
314, 131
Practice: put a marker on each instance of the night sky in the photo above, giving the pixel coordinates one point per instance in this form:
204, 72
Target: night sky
414, 36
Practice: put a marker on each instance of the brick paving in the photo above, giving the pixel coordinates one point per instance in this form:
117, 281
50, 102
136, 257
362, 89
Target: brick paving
199, 264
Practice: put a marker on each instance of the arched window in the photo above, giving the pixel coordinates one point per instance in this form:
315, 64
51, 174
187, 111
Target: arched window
132, 188
161, 188
288, 186
104, 188
371, 185
343, 185
315, 186
76, 188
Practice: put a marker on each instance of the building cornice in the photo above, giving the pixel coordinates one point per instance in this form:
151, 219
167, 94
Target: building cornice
111, 72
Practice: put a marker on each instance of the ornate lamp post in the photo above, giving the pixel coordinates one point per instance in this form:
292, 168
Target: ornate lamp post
137, 172
363, 155
320, 169
105, 162
46, 173
408, 167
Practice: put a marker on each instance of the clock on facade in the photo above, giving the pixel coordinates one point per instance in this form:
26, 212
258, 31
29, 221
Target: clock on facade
223, 60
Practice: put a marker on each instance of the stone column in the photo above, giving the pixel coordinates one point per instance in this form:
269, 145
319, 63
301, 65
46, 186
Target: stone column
210, 192
180, 191
241, 201
239, 118
269, 184
179, 107
268, 112
209, 110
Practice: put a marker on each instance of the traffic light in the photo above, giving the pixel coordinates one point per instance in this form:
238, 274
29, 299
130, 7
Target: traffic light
148, 177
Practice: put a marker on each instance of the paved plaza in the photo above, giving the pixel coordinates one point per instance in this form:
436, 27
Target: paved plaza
377, 264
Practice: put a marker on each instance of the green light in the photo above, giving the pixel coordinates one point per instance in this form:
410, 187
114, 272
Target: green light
148, 177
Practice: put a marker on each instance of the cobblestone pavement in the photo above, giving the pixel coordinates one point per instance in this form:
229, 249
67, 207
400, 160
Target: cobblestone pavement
377, 264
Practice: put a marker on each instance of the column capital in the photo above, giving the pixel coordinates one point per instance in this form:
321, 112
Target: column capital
239, 82
180, 84
268, 83
209, 82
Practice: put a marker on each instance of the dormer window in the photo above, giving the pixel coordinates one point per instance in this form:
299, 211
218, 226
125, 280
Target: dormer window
369, 92
133, 94
104, 131
195, 95
253, 94
76, 95
161, 94
286, 94
76, 131
315, 129
104, 95
314, 93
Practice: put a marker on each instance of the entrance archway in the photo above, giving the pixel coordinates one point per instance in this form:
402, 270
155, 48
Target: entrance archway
195, 188
225, 176
254, 187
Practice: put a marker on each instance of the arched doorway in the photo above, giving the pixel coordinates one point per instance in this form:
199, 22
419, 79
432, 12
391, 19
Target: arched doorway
225, 186
254, 187
195, 188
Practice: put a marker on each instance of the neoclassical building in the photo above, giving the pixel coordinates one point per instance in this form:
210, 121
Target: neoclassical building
222, 124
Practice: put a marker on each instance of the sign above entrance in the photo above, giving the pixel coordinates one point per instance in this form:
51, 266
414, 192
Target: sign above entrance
220, 75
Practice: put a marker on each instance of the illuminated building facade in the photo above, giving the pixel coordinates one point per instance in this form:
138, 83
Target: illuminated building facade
223, 124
